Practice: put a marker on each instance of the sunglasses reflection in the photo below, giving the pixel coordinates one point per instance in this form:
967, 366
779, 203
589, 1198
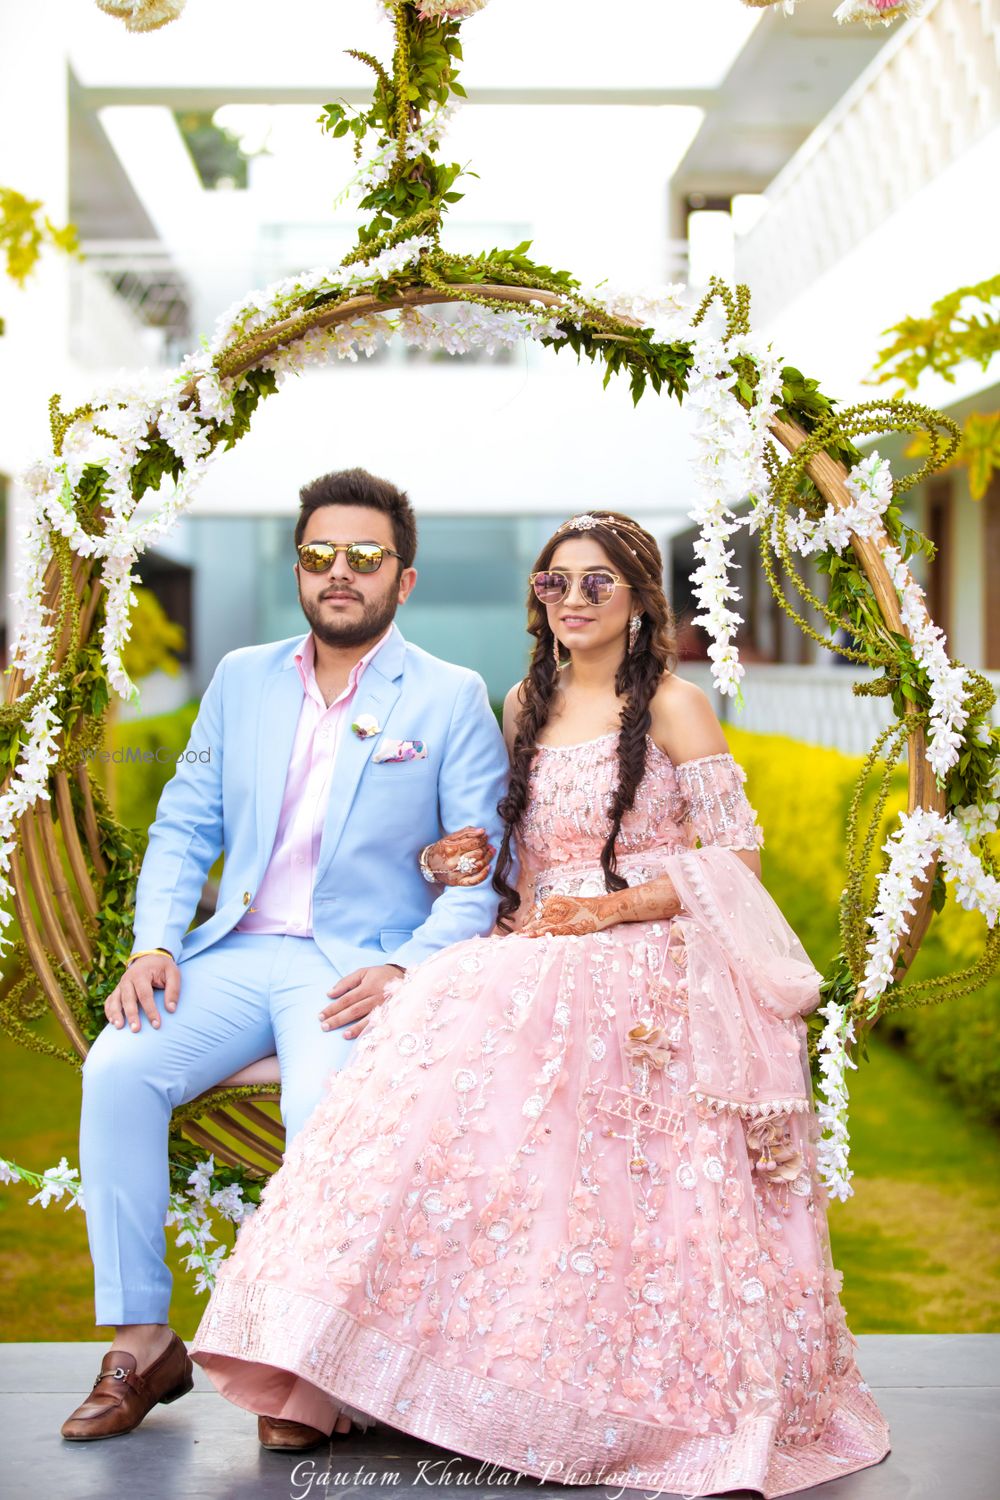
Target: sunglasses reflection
597, 585
362, 557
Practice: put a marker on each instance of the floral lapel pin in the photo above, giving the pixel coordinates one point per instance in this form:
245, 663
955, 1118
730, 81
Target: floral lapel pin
365, 725
399, 750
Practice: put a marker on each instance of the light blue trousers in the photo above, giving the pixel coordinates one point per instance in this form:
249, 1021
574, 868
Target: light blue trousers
248, 996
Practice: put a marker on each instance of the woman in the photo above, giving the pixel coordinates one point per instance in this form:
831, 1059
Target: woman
560, 1212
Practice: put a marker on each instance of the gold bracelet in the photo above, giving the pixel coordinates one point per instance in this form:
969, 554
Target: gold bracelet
143, 952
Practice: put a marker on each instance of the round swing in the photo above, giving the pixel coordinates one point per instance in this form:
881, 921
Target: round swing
72, 868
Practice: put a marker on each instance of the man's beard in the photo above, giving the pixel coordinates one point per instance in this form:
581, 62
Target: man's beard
376, 617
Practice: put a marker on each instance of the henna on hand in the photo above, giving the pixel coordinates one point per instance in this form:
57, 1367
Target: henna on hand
442, 857
575, 916
566, 916
653, 901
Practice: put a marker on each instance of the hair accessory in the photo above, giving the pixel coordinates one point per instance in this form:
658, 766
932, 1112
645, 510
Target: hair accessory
581, 523
588, 522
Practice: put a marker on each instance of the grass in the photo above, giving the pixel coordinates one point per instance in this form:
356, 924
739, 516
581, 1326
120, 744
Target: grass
46, 1277
918, 1243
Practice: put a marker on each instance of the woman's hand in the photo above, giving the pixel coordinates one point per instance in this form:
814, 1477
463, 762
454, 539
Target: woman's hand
460, 858
568, 916
574, 916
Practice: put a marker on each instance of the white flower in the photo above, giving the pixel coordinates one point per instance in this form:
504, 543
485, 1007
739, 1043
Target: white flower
143, 15
56, 1182
729, 471
230, 1203
442, 10
200, 1180
921, 836
832, 1104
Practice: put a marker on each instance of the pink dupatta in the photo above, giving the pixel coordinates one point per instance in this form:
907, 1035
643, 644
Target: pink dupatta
750, 982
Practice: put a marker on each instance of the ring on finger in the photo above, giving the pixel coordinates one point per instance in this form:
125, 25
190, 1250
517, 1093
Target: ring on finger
465, 864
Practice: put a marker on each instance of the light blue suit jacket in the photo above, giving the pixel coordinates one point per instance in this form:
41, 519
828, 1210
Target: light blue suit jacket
371, 905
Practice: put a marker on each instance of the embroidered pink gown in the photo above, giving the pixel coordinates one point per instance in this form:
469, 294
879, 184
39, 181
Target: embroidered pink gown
532, 1220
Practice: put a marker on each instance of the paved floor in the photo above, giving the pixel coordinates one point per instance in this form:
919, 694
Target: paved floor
939, 1394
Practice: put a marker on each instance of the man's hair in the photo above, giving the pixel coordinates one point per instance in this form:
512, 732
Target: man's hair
358, 487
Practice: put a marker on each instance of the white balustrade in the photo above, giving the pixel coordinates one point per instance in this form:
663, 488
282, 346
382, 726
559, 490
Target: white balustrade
815, 704
931, 92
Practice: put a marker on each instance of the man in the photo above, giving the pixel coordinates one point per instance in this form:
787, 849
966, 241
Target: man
322, 766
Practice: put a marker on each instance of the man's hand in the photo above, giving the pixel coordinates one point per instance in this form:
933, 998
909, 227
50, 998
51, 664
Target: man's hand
134, 991
356, 995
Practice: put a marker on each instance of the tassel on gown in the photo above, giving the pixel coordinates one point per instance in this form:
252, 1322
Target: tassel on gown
561, 1212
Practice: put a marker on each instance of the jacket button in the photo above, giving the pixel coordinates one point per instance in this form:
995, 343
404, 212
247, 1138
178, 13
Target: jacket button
246, 898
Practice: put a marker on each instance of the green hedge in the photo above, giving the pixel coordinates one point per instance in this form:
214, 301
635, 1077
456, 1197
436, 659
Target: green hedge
134, 786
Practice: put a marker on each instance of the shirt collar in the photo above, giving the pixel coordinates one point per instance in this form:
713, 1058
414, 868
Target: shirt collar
305, 663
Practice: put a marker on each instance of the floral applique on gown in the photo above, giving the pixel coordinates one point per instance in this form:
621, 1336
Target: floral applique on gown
533, 1221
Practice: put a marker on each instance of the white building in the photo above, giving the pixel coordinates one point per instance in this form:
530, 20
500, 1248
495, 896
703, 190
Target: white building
628, 153
886, 207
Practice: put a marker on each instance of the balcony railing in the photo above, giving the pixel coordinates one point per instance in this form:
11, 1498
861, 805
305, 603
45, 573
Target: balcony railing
129, 305
813, 703
929, 95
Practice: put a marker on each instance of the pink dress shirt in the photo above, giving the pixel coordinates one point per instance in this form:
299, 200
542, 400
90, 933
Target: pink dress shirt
283, 902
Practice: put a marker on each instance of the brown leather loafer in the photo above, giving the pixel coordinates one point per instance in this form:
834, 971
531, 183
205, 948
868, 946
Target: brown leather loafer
122, 1395
282, 1436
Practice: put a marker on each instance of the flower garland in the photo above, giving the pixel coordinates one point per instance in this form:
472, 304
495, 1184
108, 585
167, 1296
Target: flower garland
731, 441
833, 1150
148, 15
871, 12
922, 836
870, 485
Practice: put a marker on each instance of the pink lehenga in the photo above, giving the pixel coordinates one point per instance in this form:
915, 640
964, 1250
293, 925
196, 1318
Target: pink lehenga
561, 1211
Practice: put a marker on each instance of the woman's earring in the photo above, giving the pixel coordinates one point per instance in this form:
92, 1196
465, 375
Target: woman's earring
634, 626
555, 650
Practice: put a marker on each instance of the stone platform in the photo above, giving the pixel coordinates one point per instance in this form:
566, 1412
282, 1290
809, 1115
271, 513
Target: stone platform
939, 1393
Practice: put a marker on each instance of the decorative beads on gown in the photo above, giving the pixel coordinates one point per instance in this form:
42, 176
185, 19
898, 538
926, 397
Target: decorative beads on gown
560, 1212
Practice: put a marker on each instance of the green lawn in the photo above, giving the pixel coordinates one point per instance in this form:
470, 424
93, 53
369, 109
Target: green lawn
917, 1243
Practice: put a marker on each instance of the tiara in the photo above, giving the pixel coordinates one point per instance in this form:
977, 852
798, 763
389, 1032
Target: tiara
587, 522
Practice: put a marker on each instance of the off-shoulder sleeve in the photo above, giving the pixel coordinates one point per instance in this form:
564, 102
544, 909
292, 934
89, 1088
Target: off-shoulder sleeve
717, 808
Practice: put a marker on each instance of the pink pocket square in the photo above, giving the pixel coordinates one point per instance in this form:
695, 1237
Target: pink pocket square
399, 750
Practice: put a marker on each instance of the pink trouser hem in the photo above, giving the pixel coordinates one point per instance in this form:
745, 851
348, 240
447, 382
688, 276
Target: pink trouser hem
269, 1344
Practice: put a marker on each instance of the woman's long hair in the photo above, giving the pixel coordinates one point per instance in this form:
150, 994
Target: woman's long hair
635, 555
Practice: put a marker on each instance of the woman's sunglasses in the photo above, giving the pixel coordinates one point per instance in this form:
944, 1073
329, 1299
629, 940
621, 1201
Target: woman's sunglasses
362, 557
597, 586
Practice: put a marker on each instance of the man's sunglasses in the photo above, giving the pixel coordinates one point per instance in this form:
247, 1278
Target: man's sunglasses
362, 557
597, 586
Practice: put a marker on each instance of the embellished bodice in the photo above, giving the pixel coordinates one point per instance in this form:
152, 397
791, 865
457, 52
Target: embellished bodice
570, 795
